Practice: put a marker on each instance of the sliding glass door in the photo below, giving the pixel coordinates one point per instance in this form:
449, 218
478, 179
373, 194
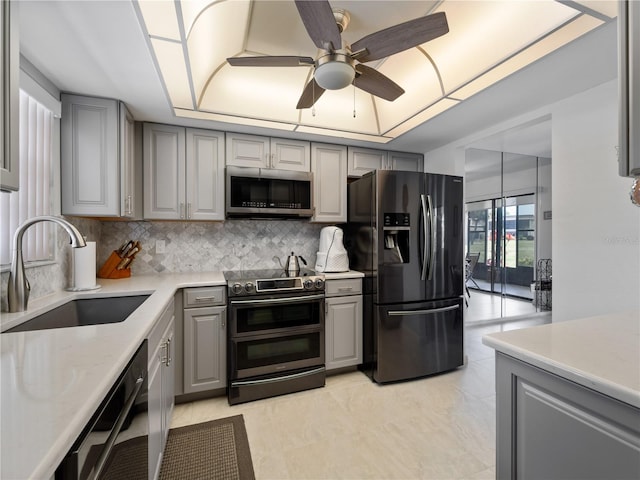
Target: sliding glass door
503, 224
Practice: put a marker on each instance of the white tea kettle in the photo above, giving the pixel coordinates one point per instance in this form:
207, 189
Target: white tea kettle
331, 256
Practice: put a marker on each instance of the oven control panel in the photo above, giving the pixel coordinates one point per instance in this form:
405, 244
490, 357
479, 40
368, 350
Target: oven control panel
260, 286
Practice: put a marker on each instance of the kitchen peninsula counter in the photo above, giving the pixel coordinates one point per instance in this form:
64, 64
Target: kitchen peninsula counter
601, 353
52, 381
568, 399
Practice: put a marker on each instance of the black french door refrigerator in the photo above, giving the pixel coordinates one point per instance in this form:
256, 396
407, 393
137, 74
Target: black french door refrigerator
405, 232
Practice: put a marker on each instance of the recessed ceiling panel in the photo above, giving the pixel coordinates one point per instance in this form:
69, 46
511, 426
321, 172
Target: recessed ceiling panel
335, 110
261, 93
216, 34
483, 34
388, 14
487, 41
160, 18
170, 58
547, 45
276, 29
413, 71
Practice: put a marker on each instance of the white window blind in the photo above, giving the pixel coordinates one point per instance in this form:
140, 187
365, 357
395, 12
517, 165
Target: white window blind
34, 196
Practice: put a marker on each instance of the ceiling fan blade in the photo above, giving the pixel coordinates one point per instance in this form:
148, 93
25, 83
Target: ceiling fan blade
401, 37
266, 61
375, 83
320, 23
312, 92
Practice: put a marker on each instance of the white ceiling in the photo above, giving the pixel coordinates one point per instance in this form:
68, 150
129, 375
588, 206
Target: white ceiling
99, 48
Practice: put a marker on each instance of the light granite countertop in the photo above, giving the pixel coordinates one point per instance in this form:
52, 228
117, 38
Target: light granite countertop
601, 352
52, 381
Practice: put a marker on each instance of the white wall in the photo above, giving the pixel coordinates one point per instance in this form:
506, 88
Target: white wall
596, 229
448, 160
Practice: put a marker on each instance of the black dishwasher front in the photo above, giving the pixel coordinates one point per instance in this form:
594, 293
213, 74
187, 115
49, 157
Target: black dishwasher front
115, 443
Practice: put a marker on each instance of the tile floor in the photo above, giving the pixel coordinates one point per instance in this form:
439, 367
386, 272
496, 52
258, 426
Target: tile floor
441, 427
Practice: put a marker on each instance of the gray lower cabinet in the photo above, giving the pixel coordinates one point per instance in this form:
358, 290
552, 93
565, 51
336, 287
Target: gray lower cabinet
549, 427
161, 396
343, 325
205, 339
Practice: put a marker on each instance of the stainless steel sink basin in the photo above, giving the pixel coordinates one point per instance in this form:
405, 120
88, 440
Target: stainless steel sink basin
86, 311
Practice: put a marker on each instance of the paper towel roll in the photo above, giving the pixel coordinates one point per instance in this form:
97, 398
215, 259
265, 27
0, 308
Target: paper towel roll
84, 267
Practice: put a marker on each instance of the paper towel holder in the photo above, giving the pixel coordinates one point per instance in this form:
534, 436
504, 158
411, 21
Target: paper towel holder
74, 287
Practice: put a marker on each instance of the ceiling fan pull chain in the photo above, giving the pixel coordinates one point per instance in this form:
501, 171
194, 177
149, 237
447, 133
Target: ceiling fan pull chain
354, 101
313, 97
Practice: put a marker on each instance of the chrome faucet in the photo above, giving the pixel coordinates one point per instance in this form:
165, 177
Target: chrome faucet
19, 288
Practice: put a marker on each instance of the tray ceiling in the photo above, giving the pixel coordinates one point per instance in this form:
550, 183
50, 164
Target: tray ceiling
487, 41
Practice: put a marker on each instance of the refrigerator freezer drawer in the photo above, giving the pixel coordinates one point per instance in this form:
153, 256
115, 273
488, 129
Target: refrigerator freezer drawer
418, 339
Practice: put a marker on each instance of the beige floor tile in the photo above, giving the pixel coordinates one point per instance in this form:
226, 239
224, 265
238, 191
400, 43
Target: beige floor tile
441, 427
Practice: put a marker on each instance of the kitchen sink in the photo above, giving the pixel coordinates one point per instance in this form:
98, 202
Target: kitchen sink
81, 312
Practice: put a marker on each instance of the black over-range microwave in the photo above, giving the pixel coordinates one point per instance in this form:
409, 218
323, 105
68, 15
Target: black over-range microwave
261, 192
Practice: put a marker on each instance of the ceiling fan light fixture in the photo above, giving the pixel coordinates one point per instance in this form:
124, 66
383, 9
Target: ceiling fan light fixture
334, 71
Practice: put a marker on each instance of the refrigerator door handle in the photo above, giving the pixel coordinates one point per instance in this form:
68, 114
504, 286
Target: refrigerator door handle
432, 238
423, 207
406, 313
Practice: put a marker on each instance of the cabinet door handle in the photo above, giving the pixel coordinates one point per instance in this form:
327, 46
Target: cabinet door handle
165, 355
223, 316
189, 210
181, 210
168, 362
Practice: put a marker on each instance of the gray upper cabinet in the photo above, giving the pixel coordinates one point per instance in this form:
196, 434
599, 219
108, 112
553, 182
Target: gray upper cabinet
183, 173
98, 162
205, 175
365, 160
9, 78
408, 162
164, 171
329, 167
264, 152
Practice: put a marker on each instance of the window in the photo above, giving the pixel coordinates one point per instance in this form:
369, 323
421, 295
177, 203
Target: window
36, 184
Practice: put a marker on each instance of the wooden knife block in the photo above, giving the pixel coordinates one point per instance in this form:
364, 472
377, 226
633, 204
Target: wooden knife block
109, 270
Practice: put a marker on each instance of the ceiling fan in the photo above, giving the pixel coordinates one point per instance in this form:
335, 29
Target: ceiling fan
339, 67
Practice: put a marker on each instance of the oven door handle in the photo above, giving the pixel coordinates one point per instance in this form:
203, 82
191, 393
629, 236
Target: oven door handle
102, 460
267, 301
262, 381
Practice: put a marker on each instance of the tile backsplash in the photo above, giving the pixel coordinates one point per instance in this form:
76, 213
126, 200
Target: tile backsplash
188, 247
211, 246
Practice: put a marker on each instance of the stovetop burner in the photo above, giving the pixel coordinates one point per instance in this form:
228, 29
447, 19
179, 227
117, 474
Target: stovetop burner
257, 282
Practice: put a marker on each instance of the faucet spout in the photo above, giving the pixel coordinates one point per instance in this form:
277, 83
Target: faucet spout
18, 288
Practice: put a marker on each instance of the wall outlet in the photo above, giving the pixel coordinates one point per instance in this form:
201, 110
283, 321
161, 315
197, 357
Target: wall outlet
159, 246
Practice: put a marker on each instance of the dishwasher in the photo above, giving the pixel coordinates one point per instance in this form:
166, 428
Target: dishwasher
115, 442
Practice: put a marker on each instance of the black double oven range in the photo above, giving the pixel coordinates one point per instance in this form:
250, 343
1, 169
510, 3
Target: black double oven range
275, 333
